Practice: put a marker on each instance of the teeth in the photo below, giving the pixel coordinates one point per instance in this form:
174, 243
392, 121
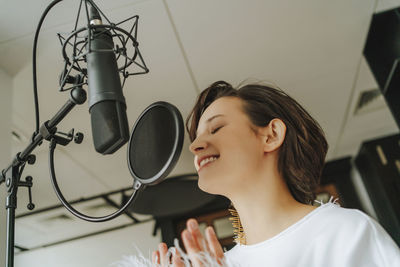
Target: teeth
207, 160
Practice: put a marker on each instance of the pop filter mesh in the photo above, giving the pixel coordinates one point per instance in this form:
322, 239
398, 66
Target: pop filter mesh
152, 143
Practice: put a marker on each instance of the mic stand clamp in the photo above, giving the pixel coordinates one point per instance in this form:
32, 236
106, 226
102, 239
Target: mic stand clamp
12, 174
28, 183
12, 177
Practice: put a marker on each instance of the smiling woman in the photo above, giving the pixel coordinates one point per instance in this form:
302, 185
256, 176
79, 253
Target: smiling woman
261, 149
262, 132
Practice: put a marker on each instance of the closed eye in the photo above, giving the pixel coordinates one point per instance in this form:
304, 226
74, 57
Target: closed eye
216, 130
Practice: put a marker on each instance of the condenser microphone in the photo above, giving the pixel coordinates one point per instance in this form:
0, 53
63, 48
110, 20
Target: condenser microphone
107, 105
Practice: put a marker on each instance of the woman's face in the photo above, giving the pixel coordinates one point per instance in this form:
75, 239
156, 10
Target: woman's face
227, 151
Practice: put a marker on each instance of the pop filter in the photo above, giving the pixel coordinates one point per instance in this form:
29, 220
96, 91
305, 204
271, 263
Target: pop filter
155, 143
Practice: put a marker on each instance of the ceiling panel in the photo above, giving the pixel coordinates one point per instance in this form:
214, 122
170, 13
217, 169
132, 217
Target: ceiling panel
383, 5
311, 49
19, 19
361, 127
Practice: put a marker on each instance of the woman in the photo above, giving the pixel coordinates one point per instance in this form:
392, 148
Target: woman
258, 147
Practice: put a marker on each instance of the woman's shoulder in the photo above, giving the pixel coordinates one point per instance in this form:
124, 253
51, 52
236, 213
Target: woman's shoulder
333, 212
353, 227
344, 220
359, 233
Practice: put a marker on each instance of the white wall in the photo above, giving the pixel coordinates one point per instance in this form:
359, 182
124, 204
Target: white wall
5, 151
97, 251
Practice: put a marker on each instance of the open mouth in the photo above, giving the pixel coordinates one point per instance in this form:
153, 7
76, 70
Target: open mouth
207, 161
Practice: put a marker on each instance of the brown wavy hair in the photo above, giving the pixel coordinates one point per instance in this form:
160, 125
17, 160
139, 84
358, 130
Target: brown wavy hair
302, 154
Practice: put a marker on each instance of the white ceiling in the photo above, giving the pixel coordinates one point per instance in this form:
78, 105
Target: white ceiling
312, 49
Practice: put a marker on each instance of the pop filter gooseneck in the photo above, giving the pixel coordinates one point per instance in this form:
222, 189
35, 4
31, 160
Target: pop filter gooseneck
154, 148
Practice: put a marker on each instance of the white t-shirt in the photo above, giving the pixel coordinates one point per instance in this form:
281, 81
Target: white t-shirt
329, 236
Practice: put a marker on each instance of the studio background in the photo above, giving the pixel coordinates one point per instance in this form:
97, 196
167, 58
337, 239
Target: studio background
311, 49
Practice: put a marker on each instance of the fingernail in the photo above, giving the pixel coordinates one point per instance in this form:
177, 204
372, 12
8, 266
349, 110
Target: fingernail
193, 224
212, 230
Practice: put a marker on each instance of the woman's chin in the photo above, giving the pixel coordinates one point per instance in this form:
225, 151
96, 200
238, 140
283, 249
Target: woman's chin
209, 188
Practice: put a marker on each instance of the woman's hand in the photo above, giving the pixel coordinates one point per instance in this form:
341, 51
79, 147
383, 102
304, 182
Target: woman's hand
161, 258
194, 243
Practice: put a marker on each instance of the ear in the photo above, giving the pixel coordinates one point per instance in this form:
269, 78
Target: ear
273, 135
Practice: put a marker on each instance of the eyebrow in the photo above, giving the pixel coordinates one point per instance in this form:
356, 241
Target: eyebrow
211, 118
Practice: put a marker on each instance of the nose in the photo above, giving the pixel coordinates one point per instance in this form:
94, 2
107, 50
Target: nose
197, 145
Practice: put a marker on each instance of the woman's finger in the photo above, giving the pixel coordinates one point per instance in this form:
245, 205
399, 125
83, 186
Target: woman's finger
215, 246
191, 248
176, 260
163, 249
156, 257
193, 227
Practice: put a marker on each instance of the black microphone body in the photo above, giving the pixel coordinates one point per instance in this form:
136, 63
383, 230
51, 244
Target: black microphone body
107, 105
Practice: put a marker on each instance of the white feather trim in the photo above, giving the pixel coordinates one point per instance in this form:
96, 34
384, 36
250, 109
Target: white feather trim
140, 261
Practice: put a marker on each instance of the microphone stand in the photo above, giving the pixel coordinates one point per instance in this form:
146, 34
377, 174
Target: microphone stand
12, 174
48, 131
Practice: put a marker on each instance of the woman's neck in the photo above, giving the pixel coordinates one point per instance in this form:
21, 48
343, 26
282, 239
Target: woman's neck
267, 208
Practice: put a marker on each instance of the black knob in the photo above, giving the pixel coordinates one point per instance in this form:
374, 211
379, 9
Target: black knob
78, 138
31, 159
30, 206
78, 95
